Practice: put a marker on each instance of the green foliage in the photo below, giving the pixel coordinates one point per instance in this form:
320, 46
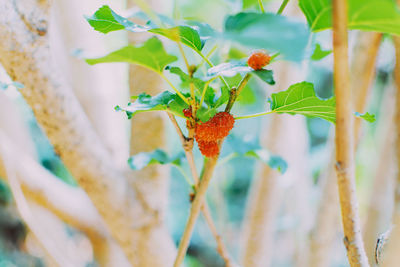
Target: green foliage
158, 156
163, 101
300, 98
232, 68
366, 116
209, 95
367, 15
185, 34
319, 53
105, 20
265, 75
150, 55
265, 31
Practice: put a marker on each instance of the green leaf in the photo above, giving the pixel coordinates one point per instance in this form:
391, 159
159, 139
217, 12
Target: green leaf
300, 98
319, 53
150, 55
187, 35
105, 20
232, 68
204, 114
275, 162
158, 156
265, 31
229, 69
367, 15
366, 116
199, 84
163, 101
265, 75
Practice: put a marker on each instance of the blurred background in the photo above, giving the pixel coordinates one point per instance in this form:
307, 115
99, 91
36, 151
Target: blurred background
294, 215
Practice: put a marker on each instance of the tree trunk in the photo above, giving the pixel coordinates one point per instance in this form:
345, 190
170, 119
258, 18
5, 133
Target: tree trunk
24, 52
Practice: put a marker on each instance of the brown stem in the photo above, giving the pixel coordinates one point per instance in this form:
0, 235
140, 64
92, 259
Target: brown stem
344, 139
222, 250
206, 176
235, 92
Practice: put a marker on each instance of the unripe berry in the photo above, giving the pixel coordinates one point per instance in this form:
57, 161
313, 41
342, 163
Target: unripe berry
258, 60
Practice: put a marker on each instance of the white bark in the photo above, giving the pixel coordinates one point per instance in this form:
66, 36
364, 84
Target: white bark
24, 52
265, 193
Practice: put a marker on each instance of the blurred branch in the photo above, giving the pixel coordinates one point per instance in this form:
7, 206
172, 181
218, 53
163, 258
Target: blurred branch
69, 203
392, 257
362, 75
380, 194
344, 135
24, 53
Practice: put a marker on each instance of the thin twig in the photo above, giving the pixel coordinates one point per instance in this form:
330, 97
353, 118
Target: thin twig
344, 139
260, 3
222, 250
282, 7
205, 179
235, 92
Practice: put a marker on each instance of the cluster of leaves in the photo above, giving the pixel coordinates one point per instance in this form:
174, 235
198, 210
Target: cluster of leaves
243, 28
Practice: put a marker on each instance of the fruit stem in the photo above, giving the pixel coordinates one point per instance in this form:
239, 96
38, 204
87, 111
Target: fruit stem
212, 65
204, 90
184, 56
208, 55
175, 89
282, 7
235, 92
260, 3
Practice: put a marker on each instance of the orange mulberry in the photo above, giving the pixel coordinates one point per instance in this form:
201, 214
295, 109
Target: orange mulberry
208, 149
258, 60
216, 128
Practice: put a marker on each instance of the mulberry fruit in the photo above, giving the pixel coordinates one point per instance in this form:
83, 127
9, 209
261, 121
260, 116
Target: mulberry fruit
258, 60
187, 112
208, 149
216, 128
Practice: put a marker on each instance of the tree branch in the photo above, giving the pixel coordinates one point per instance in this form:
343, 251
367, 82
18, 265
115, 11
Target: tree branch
222, 250
344, 139
24, 52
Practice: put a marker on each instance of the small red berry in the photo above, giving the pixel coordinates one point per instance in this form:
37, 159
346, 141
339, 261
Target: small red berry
208, 149
258, 60
187, 112
216, 128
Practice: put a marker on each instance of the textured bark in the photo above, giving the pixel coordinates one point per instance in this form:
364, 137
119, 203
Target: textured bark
344, 135
24, 52
148, 132
69, 203
98, 88
362, 74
